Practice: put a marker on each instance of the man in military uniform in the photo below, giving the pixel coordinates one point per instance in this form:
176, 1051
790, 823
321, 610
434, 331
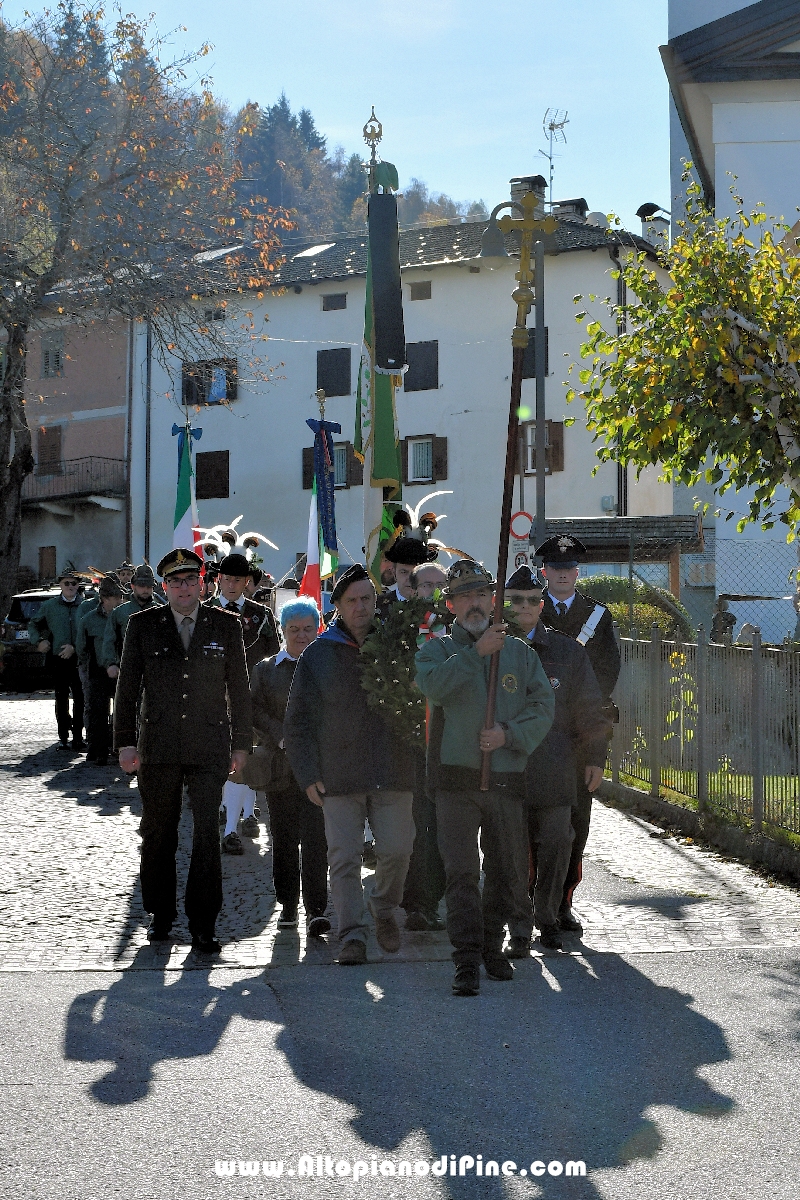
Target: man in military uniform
187, 660
92, 626
54, 631
580, 730
453, 673
143, 597
124, 575
589, 623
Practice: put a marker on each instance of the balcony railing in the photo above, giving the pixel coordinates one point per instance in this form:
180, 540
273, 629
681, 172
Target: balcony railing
72, 478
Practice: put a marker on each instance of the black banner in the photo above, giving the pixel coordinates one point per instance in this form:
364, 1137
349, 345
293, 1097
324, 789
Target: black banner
387, 293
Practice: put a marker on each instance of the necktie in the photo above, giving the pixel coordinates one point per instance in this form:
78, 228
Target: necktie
186, 631
231, 607
562, 608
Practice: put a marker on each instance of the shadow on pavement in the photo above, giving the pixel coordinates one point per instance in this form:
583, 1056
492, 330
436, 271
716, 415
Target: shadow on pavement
561, 1064
149, 1016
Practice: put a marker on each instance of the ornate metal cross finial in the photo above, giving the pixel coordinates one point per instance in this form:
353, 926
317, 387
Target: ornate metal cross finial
320, 394
373, 132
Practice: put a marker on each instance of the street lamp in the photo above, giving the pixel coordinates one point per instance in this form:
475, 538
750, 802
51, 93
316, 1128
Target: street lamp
493, 247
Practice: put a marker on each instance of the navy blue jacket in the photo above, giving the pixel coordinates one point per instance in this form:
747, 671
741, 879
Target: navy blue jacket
580, 729
331, 734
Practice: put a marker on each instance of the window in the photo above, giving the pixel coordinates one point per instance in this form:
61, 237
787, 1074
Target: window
48, 448
212, 475
529, 362
47, 563
348, 468
210, 382
52, 355
333, 371
424, 459
334, 301
420, 291
214, 314
554, 442
420, 460
423, 366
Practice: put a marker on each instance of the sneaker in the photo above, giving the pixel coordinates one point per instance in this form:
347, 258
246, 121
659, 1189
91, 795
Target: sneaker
548, 936
569, 922
250, 827
388, 934
317, 926
497, 966
288, 918
416, 921
353, 954
205, 943
158, 930
232, 844
518, 947
467, 980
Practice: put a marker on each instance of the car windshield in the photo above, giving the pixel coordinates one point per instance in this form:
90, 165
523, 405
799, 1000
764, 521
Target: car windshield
23, 610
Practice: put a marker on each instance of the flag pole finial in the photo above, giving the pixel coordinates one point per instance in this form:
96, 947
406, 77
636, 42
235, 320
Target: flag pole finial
320, 394
373, 133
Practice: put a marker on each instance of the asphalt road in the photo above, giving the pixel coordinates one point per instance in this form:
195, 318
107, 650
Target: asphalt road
671, 1072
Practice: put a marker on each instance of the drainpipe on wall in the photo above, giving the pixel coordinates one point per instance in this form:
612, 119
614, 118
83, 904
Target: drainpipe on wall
147, 424
129, 446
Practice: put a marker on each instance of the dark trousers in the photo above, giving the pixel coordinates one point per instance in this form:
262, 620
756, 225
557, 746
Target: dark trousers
425, 881
98, 714
161, 789
66, 681
550, 836
476, 924
299, 851
581, 816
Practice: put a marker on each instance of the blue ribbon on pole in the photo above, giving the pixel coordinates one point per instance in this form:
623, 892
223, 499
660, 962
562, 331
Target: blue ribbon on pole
181, 431
324, 473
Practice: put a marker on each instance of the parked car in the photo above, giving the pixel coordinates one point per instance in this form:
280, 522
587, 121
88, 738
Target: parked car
22, 667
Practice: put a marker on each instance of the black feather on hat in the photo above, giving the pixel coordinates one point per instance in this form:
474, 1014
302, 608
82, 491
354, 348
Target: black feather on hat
410, 552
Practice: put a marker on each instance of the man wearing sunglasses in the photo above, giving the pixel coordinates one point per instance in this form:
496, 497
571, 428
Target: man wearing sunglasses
187, 662
55, 630
453, 672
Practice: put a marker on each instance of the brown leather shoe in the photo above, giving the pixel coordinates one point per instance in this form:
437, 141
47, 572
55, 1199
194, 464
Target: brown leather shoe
353, 954
387, 932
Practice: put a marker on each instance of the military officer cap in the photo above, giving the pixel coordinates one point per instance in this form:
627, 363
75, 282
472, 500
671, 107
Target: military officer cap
561, 551
411, 552
109, 587
143, 575
235, 565
466, 575
352, 575
523, 580
179, 560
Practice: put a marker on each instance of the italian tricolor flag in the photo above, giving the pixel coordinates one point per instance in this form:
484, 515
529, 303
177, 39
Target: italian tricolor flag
186, 533
320, 563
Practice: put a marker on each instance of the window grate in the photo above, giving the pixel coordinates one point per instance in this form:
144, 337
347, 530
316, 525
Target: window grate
421, 464
340, 466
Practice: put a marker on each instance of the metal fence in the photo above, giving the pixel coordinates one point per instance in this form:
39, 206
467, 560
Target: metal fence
718, 725
73, 477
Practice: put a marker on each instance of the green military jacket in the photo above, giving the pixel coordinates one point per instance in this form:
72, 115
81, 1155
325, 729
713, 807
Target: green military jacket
114, 637
454, 677
92, 624
55, 622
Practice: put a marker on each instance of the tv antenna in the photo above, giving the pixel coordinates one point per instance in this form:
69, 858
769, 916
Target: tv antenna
553, 124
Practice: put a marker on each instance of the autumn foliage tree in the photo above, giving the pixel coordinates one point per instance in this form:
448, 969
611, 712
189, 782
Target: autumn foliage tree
118, 198
701, 376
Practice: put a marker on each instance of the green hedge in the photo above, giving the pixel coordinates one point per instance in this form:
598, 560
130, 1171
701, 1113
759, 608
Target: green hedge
650, 604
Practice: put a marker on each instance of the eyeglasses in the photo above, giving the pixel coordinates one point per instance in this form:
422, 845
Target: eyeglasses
533, 601
69, 583
179, 583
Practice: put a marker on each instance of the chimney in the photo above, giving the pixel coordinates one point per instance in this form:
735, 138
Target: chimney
521, 184
571, 210
655, 224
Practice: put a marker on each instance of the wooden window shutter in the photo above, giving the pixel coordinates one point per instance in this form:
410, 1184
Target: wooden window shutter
308, 468
355, 468
404, 458
555, 450
439, 459
48, 447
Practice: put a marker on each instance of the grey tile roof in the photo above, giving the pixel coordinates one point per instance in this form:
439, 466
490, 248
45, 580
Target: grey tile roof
607, 539
432, 245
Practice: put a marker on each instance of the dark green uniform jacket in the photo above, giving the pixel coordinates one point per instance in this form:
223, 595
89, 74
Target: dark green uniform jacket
196, 703
117, 624
56, 622
260, 631
601, 647
92, 625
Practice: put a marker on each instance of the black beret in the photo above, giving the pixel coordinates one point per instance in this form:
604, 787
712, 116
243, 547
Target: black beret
523, 580
353, 574
236, 565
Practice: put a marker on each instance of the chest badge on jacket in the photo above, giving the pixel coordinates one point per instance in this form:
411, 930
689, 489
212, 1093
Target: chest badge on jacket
509, 683
554, 682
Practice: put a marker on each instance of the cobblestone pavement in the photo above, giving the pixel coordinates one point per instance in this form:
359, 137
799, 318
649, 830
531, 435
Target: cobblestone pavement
69, 894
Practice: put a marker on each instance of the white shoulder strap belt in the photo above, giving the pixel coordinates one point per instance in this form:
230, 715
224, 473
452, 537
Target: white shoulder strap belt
592, 621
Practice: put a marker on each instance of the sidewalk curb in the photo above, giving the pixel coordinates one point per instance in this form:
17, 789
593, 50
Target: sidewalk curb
750, 847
